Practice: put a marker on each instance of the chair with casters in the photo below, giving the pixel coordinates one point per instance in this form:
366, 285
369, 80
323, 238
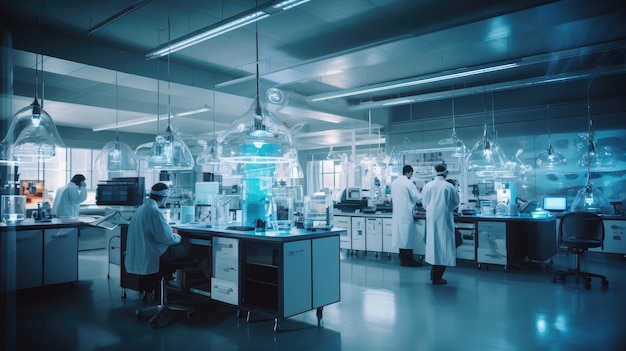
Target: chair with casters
578, 232
164, 307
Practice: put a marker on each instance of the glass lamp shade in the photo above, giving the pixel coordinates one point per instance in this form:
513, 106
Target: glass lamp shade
169, 152
460, 150
143, 151
208, 155
116, 156
550, 158
487, 159
591, 199
595, 157
257, 137
32, 135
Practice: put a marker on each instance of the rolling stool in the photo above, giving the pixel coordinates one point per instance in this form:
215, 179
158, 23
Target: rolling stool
164, 306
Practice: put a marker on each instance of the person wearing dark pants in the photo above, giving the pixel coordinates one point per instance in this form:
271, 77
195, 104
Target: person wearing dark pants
404, 196
440, 198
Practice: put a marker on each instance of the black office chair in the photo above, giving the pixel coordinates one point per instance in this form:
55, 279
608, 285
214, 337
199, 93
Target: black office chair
164, 307
580, 231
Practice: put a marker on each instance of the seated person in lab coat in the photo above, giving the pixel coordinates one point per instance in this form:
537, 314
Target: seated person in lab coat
151, 241
440, 198
69, 197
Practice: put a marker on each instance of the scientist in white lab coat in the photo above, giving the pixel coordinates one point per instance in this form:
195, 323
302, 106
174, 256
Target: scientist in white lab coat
69, 197
151, 241
440, 198
404, 196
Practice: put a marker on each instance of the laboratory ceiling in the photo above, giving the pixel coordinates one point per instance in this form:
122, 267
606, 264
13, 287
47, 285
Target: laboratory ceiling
342, 66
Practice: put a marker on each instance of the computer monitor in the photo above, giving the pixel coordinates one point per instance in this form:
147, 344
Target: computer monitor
555, 203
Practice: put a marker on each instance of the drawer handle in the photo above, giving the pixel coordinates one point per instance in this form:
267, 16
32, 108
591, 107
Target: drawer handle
293, 253
226, 268
615, 226
226, 246
617, 237
223, 290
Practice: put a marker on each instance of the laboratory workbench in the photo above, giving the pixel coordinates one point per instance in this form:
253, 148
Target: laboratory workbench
36, 253
273, 272
501, 240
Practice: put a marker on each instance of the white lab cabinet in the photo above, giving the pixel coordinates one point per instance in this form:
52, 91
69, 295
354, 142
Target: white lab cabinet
60, 255
297, 288
358, 233
225, 279
325, 271
374, 234
614, 237
345, 239
28, 259
387, 236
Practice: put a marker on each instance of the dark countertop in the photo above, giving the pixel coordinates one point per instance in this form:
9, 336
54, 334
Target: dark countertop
202, 230
30, 223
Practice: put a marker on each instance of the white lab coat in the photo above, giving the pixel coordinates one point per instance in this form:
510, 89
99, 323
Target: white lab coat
404, 196
68, 199
149, 236
440, 198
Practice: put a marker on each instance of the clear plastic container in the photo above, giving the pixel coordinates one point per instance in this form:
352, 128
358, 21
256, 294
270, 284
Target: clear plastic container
318, 213
13, 208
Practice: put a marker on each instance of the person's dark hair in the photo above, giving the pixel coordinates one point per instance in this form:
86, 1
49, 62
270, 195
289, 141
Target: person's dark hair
158, 187
78, 178
407, 169
441, 169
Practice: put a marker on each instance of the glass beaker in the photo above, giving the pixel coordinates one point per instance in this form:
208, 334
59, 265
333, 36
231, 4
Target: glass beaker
13, 208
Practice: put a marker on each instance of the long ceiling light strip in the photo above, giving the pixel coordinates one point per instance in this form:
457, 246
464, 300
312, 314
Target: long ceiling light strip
412, 82
225, 26
138, 121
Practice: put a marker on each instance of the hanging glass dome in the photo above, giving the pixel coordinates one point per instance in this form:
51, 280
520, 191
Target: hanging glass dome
487, 159
116, 156
591, 199
32, 135
169, 152
257, 137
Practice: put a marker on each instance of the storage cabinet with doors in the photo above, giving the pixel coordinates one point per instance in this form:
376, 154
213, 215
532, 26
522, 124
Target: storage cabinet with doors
387, 236
289, 278
28, 259
60, 255
358, 234
38, 254
492, 243
345, 223
374, 235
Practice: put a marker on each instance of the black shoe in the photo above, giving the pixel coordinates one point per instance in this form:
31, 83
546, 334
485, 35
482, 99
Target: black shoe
440, 282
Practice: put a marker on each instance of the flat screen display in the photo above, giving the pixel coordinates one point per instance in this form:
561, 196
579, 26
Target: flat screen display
555, 203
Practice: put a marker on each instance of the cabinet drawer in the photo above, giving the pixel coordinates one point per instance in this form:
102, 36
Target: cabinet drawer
224, 291
226, 269
491, 256
492, 227
225, 248
466, 252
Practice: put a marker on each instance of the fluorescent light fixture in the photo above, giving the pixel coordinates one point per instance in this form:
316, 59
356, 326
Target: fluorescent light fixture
258, 13
144, 120
410, 82
398, 102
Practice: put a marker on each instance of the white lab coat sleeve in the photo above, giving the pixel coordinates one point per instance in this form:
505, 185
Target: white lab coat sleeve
163, 232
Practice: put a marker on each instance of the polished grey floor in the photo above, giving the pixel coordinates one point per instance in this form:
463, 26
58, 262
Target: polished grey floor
383, 307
